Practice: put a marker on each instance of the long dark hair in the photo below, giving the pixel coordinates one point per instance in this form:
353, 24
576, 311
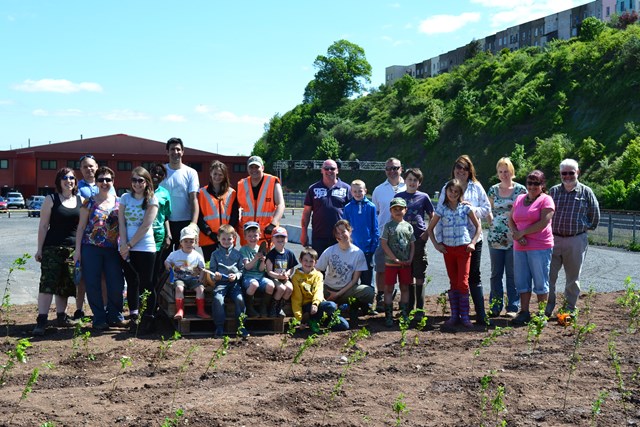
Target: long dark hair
147, 195
465, 161
61, 174
225, 184
454, 183
538, 175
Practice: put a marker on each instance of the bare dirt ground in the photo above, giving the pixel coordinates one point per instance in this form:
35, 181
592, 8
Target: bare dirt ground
436, 379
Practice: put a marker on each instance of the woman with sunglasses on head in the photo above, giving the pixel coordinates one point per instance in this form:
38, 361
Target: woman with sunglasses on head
474, 196
161, 231
59, 216
137, 211
530, 224
218, 205
97, 250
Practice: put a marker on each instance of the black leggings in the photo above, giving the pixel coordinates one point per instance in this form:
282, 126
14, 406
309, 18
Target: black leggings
139, 274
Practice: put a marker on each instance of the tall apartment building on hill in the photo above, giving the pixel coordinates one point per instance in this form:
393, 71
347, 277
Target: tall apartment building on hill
562, 25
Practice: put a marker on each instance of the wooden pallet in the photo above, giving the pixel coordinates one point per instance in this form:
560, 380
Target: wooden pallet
193, 325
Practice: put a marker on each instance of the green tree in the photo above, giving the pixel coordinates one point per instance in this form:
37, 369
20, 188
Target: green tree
329, 148
340, 74
550, 152
591, 28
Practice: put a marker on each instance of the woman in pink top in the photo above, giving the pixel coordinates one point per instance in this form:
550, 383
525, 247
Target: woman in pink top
530, 223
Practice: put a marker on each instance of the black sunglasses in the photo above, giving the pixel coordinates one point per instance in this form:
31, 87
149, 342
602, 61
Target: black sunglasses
87, 156
565, 173
392, 168
534, 183
329, 169
68, 178
137, 180
104, 179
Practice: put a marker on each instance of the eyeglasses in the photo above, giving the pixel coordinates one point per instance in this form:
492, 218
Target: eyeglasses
87, 156
565, 173
68, 178
534, 183
464, 168
392, 168
137, 180
101, 180
329, 169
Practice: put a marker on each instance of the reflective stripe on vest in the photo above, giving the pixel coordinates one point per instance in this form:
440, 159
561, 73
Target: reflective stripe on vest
215, 212
259, 213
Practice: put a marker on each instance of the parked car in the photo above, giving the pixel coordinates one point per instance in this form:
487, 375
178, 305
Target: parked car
35, 206
3, 204
15, 200
32, 199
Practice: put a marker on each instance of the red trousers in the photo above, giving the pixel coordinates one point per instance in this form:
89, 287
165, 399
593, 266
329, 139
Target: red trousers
458, 260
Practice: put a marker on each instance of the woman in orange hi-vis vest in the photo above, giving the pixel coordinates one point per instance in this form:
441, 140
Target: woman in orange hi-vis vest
260, 197
218, 205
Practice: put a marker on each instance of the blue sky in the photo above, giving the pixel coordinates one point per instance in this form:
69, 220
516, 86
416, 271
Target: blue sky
210, 72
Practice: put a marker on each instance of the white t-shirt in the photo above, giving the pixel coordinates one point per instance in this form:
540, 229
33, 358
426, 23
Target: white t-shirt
179, 183
134, 215
381, 197
187, 263
339, 265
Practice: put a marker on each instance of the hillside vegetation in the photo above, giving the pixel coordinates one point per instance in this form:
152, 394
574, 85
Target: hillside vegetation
576, 98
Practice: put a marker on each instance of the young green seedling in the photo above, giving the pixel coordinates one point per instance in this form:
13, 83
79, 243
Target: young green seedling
399, 408
220, 352
17, 354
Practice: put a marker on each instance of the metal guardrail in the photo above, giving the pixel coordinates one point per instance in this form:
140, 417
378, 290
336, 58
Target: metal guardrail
618, 228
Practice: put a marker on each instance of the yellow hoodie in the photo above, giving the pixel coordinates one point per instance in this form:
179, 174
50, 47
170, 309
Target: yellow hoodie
307, 288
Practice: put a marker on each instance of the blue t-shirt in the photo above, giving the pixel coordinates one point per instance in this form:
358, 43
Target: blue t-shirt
327, 206
418, 204
282, 261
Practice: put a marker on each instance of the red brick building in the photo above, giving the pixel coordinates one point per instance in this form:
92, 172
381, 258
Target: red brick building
32, 170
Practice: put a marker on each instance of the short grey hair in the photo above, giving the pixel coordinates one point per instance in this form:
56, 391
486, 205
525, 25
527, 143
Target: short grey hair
569, 163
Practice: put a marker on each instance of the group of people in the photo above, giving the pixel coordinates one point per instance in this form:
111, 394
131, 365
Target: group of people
157, 225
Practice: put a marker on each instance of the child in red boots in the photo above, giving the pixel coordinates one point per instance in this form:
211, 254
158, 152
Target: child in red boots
456, 245
187, 265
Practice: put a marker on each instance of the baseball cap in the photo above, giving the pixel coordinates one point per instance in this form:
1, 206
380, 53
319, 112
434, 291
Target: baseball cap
188, 233
251, 224
279, 231
398, 201
255, 160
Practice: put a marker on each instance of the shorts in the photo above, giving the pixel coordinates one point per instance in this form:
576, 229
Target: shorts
419, 263
263, 282
57, 271
393, 272
378, 259
532, 270
188, 284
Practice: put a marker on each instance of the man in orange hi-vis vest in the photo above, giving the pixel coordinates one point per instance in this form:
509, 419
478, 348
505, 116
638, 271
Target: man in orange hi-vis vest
260, 198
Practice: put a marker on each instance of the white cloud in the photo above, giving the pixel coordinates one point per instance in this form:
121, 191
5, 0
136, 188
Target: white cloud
394, 42
394, 5
437, 24
228, 116
174, 118
6, 102
513, 13
70, 112
56, 85
125, 115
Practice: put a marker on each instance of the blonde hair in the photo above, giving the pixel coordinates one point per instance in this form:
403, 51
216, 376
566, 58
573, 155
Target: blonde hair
359, 182
505, 161
227, 229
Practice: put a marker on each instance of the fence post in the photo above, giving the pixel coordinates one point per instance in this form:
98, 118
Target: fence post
610, 228
634, 229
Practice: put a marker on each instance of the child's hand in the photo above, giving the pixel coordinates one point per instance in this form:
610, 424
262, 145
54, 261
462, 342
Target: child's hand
232, 277
313, 310
302, 326
471, 247
217, 276
441, 248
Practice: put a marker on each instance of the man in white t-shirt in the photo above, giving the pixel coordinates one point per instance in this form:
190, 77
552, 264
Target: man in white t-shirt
182, 183
381, 197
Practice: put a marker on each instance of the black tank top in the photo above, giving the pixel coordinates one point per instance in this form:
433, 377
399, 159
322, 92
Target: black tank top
63, 223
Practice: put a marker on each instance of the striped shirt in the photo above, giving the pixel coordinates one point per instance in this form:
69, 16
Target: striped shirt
576, 211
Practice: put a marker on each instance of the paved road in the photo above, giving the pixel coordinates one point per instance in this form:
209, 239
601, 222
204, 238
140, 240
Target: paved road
605, 268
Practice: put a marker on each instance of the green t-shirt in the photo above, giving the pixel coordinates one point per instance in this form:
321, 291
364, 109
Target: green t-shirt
399, 236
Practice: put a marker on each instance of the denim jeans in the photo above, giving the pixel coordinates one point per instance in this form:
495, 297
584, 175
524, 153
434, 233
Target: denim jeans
95, 261
222, 290
475, 283
328, 307
501, 264
532, 266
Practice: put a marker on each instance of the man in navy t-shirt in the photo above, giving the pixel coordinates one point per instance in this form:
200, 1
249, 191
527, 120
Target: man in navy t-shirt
324, 205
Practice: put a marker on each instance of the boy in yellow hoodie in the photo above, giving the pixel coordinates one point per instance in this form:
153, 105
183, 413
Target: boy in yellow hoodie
308, 295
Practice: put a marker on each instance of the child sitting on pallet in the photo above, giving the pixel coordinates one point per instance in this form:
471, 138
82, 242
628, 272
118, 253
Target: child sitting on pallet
226, 264
280, 264
187, 265
307, 300
254, 281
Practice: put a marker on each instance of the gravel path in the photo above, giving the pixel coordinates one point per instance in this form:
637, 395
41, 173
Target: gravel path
605, 268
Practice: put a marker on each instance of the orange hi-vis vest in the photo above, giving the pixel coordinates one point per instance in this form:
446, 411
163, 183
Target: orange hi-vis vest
260, 210
215, 212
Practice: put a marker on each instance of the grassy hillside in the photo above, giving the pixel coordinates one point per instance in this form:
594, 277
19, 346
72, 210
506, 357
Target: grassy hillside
576, 98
